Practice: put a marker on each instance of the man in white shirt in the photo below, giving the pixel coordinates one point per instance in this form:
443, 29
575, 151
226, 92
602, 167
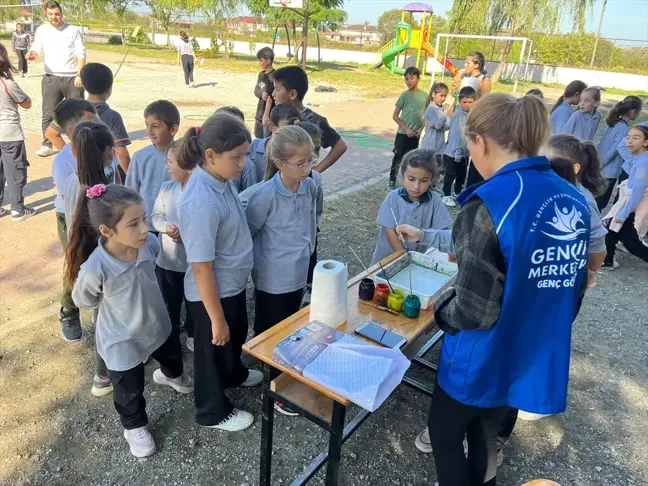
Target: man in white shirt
64, 55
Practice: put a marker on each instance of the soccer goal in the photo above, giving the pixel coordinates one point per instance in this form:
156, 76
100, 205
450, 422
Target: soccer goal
521, 69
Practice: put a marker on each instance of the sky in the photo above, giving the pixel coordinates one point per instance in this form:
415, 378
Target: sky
627, 19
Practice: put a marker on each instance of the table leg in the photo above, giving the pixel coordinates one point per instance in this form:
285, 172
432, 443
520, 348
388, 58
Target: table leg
267, 423
335, 444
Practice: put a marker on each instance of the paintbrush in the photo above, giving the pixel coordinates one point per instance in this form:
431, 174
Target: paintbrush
386, 277
361, 263
400, 236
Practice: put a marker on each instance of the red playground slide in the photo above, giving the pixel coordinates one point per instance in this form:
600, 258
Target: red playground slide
427, 47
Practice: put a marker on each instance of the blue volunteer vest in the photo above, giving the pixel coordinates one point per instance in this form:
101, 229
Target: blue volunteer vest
543, 226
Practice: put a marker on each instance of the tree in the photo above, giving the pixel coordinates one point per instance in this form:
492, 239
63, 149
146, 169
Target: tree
78, 8
387, 24
314, 12
217, 10
514, 18
167, 12
118, 7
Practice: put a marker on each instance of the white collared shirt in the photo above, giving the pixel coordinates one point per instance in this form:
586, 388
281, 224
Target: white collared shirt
60, 48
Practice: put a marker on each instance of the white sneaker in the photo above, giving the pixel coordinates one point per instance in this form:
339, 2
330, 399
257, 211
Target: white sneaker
422, 441
190, 344
193, 85
182, 384
140, 441
45, 151
101, 386
612, 267
530, 417
255, 377
449, 201
236, 421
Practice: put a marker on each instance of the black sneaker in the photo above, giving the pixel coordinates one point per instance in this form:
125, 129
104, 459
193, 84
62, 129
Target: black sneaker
27, 213
70, 325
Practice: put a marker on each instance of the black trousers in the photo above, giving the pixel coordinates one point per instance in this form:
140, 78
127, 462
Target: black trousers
402, 145
449, 421
128, 386
188, 67
630, 239
13, 169
271, 309
603, 200
22, 60
312, 263
172, 287
473, 176
54, 90
66, 297
454, 172
218, 367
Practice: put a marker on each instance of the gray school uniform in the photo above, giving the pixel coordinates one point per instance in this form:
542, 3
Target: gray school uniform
247, 178
257, 157
172, 255
213, 229
132, 320
428, 212
597, 230
283, 227
583, 125
628, 156
244, 196
457, 148
437, 122
559, 117
146, 173
611, 160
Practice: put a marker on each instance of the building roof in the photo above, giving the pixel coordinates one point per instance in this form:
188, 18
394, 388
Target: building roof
25, 13
418, 7
247, 20
360, 27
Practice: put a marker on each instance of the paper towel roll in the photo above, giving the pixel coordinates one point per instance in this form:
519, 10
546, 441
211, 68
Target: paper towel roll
329, 295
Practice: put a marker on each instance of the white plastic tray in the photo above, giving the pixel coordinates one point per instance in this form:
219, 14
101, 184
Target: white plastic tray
432, 273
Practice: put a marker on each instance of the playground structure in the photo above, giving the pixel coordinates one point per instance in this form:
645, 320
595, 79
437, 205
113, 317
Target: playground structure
412, 41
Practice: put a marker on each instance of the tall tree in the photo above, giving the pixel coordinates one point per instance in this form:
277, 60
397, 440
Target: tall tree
167, 12
306, 17
513, 18
118, 7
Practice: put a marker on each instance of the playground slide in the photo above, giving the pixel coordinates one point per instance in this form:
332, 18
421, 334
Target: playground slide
389, 56
427, 47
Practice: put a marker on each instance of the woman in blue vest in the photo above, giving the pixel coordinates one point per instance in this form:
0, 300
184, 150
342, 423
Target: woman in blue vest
521, 240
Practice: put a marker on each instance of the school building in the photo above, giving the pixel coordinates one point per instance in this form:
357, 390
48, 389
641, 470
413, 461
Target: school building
359, 34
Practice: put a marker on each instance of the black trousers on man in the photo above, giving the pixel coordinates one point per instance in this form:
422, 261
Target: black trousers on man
402, 145
218, 367
449, 421
128, 386
13, 170
22, 60
188, 68
54, 90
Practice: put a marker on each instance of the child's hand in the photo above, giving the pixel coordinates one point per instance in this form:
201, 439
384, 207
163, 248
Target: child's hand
418, 132
618, 221
174, 233
409, 233
458, 160
264, 96
265, 120
220, 333
409, 133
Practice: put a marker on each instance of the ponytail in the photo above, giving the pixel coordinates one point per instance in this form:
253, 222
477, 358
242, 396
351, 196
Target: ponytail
622, 108
221, 132
91, 140
572, 89
82, 241
584, 154
564, 168
517, 125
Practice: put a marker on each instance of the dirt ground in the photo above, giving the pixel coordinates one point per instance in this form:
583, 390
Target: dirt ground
53, 432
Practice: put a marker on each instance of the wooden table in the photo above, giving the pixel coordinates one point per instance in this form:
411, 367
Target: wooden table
318, 404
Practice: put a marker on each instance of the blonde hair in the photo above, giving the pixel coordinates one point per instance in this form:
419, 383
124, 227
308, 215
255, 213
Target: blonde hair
517, 125
281, 147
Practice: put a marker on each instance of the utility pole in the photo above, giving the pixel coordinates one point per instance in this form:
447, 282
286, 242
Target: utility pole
598, 33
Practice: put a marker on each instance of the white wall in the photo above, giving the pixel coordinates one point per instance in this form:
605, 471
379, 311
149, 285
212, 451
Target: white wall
538, 73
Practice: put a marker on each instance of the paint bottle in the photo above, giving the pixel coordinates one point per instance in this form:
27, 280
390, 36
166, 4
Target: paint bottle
381, 294
412, 307
366, 289
396, 300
